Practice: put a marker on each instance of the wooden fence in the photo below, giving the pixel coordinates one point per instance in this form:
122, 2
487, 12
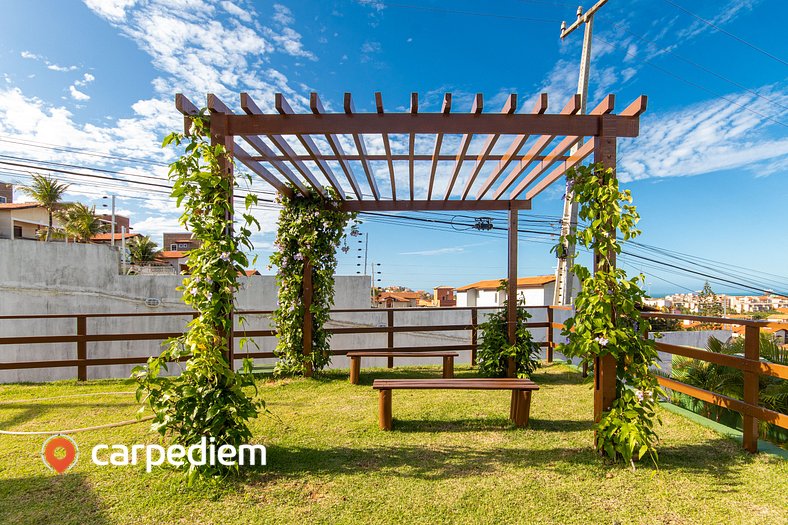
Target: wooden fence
750, 364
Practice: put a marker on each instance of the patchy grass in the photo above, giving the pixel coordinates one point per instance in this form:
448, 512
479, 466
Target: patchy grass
452, 458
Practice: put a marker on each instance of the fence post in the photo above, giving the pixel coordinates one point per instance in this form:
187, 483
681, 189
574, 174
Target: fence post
307, 328
474, 334
82, 347
752, 351
390, 342
549, 334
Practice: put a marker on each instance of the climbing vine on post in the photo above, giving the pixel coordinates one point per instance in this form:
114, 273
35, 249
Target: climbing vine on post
207, 399
607, 320
310, 229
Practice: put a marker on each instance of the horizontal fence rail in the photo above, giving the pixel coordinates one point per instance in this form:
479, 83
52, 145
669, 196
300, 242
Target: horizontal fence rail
81, 337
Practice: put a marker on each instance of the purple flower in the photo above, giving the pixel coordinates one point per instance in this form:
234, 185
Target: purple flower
602, 341
193, 291
210, 294
225, 257
298, 257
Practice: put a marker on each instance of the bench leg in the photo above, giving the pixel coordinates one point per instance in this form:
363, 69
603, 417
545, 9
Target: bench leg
521, 407
448, 367
355, 370
384, 410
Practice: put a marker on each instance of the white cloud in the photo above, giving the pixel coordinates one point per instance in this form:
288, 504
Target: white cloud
77, 94
283, 15
55, 67
50, 65
708, 137
112, 10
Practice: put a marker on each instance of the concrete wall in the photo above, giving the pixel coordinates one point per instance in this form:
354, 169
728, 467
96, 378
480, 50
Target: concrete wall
697, 339
53, 278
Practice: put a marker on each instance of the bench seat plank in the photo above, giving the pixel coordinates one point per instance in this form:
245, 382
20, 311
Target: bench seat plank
455, 384
402, 354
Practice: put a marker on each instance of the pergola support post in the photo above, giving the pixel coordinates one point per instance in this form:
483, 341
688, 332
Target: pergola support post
307, 328
220, 136
511, 291
604, 367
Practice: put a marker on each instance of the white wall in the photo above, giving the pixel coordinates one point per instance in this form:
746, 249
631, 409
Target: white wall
52, 278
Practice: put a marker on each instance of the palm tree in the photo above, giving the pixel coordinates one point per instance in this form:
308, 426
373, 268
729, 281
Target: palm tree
47, 192
142, 249
80, 222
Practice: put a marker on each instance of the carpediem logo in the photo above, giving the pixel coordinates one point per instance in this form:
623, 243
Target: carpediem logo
200, 454
60, 453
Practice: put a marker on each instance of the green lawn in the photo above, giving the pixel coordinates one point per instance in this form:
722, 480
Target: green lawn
453, 458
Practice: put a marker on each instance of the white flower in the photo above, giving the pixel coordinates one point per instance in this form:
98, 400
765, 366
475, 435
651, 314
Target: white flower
602, 341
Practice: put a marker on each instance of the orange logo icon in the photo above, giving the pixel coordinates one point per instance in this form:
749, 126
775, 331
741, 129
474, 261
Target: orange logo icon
59, 453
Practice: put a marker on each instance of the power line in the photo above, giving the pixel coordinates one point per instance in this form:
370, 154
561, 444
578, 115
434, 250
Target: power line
721, 30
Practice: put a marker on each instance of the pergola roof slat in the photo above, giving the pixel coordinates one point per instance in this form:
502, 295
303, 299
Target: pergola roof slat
414, 110
518, 142
584, 151
362, 149
215, 105
333, 141
276, 161
571, 108
445, 110
508, 108
386, 146
250, 108
604, 107
476, 109
284, 109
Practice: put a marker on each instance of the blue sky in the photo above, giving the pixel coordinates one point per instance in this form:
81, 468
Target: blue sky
708, 171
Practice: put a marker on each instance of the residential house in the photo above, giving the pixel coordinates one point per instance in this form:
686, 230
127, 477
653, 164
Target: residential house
179, 241
6, 193
534, 291
177, 259
444, 296
22, 220
398, 299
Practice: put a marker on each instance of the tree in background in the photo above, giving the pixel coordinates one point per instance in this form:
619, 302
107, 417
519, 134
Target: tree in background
142, 249
47, 192
80, 222
709, 304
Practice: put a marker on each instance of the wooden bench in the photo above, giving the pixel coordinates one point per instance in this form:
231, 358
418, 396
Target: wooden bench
519, 410
355, 361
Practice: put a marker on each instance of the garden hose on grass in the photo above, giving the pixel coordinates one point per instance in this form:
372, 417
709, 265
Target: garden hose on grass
73, 430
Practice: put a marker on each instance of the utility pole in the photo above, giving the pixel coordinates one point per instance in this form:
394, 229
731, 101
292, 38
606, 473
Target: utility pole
563, 275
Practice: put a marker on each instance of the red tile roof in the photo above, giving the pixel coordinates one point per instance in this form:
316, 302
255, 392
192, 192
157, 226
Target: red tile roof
108, 236
172, 254
18, 205
493, 284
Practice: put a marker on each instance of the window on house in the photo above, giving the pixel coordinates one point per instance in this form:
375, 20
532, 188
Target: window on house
173, 247
17, 232
2, 200
183, 246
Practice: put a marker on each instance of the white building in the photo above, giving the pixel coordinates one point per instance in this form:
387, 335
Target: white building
535, 291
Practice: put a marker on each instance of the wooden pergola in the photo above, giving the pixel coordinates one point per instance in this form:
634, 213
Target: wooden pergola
266, 144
